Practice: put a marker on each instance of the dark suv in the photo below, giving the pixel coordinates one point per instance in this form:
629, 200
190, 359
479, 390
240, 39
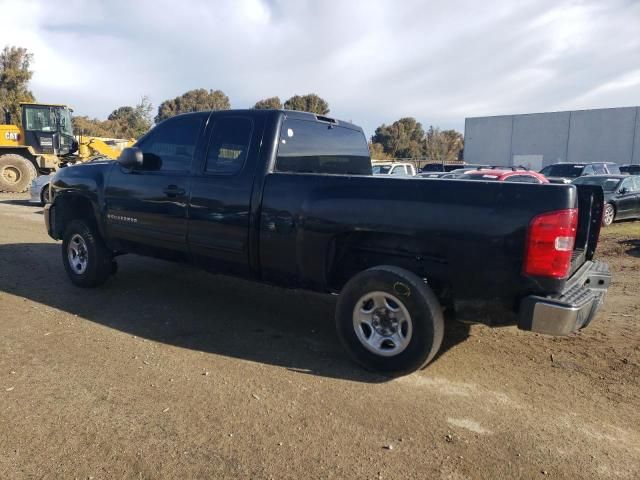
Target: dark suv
630, 169
567, 172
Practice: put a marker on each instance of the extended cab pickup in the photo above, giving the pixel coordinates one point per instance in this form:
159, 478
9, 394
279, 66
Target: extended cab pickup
288, 198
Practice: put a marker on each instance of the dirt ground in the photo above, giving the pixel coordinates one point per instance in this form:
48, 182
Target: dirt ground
167, 372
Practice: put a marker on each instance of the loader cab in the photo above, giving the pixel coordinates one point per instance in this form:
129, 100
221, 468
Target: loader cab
48, 128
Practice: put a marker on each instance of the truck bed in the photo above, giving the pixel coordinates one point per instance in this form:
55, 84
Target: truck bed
467, 238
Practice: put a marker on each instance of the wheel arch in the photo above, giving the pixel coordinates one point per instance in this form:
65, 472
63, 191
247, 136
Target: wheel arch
42, 190
69, 207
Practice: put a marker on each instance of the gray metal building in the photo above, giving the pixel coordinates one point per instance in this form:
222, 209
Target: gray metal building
538, 139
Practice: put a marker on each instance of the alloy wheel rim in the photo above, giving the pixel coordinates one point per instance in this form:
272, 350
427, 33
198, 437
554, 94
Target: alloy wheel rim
382, 324
608, 215
77, 254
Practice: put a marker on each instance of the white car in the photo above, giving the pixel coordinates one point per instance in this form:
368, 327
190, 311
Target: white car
393, 168
40, 190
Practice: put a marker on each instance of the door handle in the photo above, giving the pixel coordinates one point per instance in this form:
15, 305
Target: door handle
173, 191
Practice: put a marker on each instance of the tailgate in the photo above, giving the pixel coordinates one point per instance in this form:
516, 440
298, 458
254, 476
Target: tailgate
590, 207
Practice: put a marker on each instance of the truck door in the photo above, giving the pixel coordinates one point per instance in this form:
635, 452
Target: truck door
220, 204
147, 207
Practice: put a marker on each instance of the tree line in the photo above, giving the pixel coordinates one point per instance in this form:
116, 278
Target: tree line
402, 139
406, 139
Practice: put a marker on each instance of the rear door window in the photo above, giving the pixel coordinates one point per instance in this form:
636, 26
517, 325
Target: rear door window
229, 145
319, 147
399, 170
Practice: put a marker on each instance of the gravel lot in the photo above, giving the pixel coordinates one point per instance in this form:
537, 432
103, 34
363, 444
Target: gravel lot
168, 372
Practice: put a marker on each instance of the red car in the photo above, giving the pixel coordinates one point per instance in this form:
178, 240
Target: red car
505, 174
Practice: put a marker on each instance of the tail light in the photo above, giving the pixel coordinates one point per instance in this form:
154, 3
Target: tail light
550, 242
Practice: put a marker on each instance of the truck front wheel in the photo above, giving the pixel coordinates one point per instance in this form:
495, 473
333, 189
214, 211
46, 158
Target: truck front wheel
16, 173
389, 320
86, 259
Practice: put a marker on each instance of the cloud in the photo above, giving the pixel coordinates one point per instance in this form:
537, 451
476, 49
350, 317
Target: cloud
374, 61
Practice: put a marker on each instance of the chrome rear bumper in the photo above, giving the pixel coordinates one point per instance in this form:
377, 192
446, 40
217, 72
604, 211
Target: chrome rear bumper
571, 310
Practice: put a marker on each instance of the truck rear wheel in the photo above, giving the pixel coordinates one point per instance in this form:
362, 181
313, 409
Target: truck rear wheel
86, 259
16, 173
389, 320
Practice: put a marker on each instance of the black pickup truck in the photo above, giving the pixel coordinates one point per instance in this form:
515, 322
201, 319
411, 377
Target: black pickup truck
288, 198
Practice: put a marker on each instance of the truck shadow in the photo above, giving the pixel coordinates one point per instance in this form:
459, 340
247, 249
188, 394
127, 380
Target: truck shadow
35, 207
20, 202
185, 307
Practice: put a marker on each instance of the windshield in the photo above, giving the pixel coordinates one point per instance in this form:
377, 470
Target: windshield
64, 116
381, 169
608, 184
563, 170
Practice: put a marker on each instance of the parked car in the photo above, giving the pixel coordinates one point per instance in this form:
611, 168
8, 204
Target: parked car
567, 172
621, 195
447, 167
504, 175
432, 174
457, 173
40, 190
393, 168
278, 197
630, 169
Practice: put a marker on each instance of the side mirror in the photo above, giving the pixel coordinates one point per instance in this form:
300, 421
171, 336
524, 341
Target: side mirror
623, 190
131, 157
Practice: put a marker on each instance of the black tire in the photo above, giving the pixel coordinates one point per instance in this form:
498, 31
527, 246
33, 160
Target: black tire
44, 195
421, 304
608, 215
16, 173
97, 259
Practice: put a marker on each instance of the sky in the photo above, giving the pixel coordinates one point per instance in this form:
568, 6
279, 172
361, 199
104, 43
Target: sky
374, 61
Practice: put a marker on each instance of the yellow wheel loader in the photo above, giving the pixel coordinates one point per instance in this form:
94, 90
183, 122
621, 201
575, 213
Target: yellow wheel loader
44, 143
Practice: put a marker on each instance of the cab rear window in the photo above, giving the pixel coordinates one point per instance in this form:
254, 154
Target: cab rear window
319, 147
